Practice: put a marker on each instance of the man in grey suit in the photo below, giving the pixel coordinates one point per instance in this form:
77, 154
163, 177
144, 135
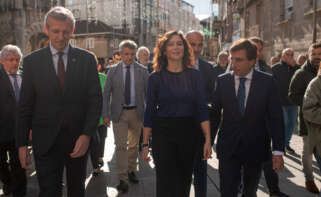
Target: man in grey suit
124, 102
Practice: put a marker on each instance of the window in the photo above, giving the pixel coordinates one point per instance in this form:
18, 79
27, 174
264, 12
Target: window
90, 43
288, 9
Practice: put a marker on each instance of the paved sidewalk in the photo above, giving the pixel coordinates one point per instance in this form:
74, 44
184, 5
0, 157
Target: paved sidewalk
291, 178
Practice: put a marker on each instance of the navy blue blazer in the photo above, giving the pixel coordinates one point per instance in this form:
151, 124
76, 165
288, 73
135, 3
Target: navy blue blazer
248, 136
206, 70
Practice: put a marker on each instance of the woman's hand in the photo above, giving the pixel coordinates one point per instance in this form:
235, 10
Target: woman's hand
207, 153
145, 154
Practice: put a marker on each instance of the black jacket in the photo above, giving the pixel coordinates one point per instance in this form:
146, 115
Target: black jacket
8, 109
283, 74
264, 67
44, 105
218, 70
298, 86
207, 73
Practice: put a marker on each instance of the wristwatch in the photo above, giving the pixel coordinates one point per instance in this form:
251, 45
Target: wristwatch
144, 145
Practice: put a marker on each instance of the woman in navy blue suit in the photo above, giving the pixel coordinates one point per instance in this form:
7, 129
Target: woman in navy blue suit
175, 111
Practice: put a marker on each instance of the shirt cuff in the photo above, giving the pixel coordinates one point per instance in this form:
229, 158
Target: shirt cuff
277, 152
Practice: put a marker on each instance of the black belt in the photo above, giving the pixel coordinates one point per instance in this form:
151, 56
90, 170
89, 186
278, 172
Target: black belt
129, 108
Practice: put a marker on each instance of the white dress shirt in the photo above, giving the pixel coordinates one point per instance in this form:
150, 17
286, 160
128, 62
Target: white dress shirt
55, 57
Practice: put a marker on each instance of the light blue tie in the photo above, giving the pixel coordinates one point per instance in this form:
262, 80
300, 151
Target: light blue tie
16, 87
241, 95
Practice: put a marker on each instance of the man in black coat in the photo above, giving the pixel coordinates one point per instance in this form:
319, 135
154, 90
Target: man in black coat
61, 102
283, 72
195, 38
221, 65
11, 174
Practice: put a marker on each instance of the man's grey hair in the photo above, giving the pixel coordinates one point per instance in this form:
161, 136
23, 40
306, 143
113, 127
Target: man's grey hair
61, 14
142, 48
222, 53
127, 44
10, 50
200, 33
287, 49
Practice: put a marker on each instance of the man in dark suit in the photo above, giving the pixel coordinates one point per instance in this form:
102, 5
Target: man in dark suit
195, 38
251, 114
61, 102
11, 174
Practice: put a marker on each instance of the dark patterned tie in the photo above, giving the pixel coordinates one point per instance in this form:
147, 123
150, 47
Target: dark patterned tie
16, 87
241, 95
127, 86
61, 70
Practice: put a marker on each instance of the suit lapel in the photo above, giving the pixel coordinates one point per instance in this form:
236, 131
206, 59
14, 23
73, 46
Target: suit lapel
5, 76
121, 76
51, 72
136, 77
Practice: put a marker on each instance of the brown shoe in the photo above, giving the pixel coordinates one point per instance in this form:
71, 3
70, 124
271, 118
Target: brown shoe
311, 187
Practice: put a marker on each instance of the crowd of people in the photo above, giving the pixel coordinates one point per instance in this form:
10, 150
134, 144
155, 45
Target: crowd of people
65, 98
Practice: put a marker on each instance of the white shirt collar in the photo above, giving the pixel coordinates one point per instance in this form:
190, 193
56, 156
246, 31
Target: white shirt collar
55, 52
248, 76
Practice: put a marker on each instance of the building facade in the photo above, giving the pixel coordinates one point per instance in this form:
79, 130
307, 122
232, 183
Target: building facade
144, 20
280, 23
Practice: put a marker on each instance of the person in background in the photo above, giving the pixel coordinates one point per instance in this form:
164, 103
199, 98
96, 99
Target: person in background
260, 65
12, 175
196, 39
274, 60
283, 73
176, 107
312, 114
221, 65
97, 143
142, 56
116, 57
301, 59
297, 89
123, 104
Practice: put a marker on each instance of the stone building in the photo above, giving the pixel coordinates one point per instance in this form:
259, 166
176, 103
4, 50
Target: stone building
21, 23
144, 20
280, 23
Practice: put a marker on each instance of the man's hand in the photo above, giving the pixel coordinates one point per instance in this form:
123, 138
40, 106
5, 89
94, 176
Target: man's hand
81, 146
207, 153
24, 157
107, 122
278, 163
145, 155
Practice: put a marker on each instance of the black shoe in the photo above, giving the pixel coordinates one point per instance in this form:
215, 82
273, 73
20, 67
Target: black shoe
122, 187
133, 178
289, 150
279, 194
6, 189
